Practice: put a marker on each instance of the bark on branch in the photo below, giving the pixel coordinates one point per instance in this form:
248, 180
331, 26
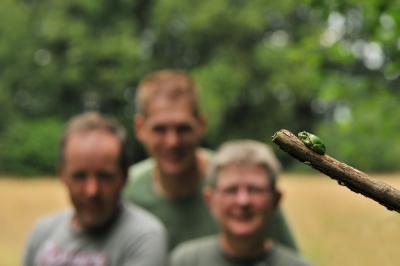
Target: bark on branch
348, 176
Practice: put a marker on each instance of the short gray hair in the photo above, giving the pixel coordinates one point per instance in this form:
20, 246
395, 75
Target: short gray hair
243, 152
91, 121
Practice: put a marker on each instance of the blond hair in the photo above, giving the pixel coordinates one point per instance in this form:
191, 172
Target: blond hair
169, 84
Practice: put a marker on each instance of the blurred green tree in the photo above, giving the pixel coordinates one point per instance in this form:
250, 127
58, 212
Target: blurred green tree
326, 67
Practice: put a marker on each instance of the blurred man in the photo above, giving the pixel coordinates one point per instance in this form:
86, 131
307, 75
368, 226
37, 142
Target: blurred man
169, 184
100, 229
242, 197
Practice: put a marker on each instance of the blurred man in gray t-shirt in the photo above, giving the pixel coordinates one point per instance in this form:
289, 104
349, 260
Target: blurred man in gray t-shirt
100, 229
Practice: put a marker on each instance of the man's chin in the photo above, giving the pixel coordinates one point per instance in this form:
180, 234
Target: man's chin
96, 226
244, 230
173, 169
91, 223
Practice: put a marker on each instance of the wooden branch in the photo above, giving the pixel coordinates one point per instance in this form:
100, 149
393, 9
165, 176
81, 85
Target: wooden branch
348, 176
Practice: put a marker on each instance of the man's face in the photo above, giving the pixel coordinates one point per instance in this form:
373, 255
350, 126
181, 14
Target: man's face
93, 177
170, 132
242, 201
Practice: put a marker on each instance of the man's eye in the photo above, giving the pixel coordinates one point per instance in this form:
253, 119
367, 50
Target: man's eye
257, 190
230, 190
184, 128
104, 175
79, 176
159, 129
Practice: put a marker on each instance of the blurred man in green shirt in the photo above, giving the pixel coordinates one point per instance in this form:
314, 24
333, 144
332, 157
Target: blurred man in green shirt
169, 184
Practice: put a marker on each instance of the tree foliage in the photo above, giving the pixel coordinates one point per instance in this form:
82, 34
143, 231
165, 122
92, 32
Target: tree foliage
329, 67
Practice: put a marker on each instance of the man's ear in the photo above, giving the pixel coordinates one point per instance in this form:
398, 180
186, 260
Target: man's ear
61, 173
138, 124
277, 198
207, 196
202, 127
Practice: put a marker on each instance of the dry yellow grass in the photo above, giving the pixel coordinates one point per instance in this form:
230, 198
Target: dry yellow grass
333, 225
22, 202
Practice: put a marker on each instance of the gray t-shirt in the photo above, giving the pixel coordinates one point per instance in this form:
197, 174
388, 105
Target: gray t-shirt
206, 251
135, 237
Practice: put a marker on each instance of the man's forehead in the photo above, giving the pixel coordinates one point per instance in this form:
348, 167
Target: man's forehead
93, 141
171, 116
160, 105
170, 121
242, 173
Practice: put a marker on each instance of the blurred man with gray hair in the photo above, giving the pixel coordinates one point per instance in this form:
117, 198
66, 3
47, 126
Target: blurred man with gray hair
100, 229
242, 197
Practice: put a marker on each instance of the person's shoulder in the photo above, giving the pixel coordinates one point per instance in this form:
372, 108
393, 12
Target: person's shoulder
44, 228
137, 229
47, 225
141, 169
50, 221
140, 219
201, 242
208, 152
289, 256
139, 181
191, 249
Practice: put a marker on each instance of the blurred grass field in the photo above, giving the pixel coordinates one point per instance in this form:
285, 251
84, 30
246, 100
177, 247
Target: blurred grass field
22, 202
333, 226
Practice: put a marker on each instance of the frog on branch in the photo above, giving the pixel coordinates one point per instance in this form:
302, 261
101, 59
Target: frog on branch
312, 141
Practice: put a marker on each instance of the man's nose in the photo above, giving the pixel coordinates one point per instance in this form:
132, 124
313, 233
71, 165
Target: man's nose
172, 137
243, 196
92, 187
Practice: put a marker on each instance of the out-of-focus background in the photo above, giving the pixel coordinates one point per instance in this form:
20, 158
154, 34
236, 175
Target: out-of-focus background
328, 67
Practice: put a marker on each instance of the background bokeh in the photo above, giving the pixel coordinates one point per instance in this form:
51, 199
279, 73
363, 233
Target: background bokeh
329, 67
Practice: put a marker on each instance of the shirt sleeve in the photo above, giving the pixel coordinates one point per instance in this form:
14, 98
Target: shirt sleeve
33, 244
180, 256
